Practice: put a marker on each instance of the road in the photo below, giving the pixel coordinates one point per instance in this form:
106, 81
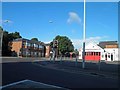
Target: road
17, 71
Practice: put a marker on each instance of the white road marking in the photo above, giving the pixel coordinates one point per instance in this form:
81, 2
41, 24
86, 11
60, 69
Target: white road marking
53, 86
0, 87
40, 83
11, 84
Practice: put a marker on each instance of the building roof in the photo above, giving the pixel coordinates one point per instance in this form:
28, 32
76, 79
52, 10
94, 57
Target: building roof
19, 39
92, 47
31, 41
104, 43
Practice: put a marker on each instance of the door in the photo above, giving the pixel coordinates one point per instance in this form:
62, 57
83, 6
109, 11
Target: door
105, 56
111, 57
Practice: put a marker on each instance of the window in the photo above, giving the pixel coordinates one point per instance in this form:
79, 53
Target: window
97, 53
23, 43
32, 45
40, 46
28, 44
91, 53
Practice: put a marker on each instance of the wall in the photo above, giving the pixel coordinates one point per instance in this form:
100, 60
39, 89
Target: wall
47, 54
16, 46
114, 52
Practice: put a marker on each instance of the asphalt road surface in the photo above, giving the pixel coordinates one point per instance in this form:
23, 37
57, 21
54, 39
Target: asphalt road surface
17, 71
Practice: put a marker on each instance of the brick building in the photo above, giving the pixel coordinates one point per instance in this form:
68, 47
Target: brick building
27, 48
48, 49
108, 44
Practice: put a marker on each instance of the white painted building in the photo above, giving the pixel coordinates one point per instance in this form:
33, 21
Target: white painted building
111, 54
95, 52
92, 52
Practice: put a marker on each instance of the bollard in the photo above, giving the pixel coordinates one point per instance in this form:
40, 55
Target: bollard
61, 59
50, 58
99, 65
76, 62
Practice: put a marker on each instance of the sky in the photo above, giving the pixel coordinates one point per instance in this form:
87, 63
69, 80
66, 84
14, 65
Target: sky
45, 20
60, 0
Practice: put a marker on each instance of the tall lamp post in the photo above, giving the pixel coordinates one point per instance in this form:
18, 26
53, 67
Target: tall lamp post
84, 29
1, 36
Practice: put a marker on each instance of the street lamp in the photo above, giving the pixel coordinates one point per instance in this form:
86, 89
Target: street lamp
83, 53
1, 36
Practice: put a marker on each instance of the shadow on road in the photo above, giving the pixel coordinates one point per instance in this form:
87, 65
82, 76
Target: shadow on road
93, 67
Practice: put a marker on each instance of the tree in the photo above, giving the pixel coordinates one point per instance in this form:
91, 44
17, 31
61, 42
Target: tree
13, 36
1, 29
76, 52
64, 44
34, 39
6, 45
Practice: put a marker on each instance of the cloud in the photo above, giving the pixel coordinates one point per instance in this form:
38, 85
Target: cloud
73, 17
47, 42
78, 42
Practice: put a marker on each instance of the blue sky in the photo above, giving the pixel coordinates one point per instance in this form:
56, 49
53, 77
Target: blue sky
32, 19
